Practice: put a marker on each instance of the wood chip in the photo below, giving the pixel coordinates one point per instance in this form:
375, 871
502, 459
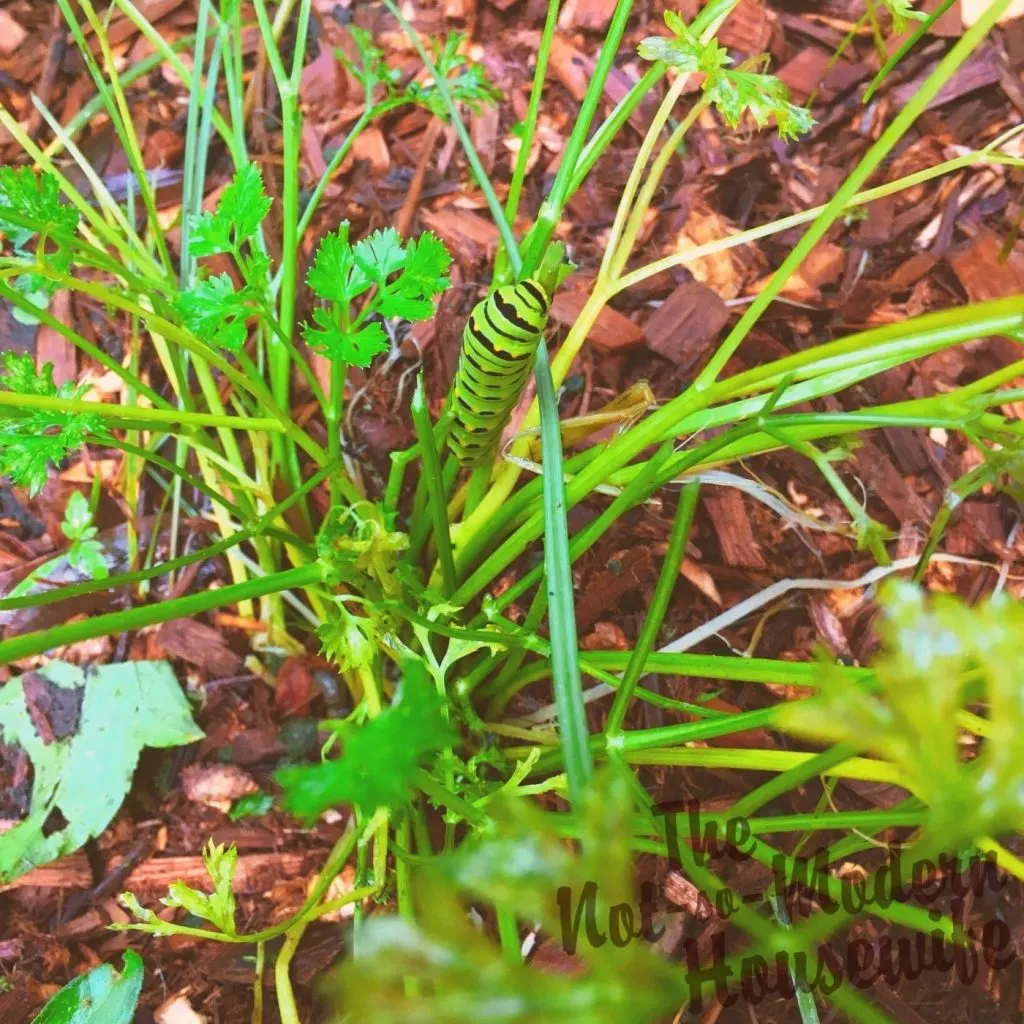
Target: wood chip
371, 146
977, 72
216, 785
607, 636
683, 893
471, 238
612, 331
177, 1010
199, 645
748, 28
735, 534
972, 10
726, 271
696, 574
803, 74
571, 68
255, 872
881, 477
12, 35
52, 346
588, 15
983, 273
686, 324
949, 25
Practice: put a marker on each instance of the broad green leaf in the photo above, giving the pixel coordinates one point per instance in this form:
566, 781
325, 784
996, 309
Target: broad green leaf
102, 996
86, 774
379, 758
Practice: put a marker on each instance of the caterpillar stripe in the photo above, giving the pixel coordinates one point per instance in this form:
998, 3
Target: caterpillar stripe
498, 348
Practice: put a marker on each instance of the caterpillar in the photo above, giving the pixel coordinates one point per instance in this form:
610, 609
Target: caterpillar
498, 348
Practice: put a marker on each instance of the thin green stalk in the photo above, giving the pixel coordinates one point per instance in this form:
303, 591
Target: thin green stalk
329, 171
94, 352
609, 128
565, 669
536, 242
868, 164
120, 115
30, 644
667, 580
473, 158
261, 525
169, 52
193, 169
532, 112
435, 485
170, 418
920, 29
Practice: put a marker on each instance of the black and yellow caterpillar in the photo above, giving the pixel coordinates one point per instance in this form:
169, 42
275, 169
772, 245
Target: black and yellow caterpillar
498, 348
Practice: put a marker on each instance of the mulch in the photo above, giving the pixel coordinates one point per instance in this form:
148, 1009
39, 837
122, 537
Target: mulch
939, 244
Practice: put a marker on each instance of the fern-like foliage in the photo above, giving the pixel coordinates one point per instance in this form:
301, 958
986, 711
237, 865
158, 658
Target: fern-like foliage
940, 655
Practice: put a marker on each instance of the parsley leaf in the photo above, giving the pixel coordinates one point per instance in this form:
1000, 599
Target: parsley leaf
902, 11
214, 311
345, 346
219, 907
763, 97
733, 92
34, 200
379, 758
240, 211
406, 277
939, 656
30, 443
424, 275
467, 81
331, 275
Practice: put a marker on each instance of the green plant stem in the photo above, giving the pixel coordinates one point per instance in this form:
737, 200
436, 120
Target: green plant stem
286, 1004
256, 528
473, 158
565, 669
532, 112
139, 414
609, 129
868, 164
45, 317
550, 213
656, 613
435, 485
30, 644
